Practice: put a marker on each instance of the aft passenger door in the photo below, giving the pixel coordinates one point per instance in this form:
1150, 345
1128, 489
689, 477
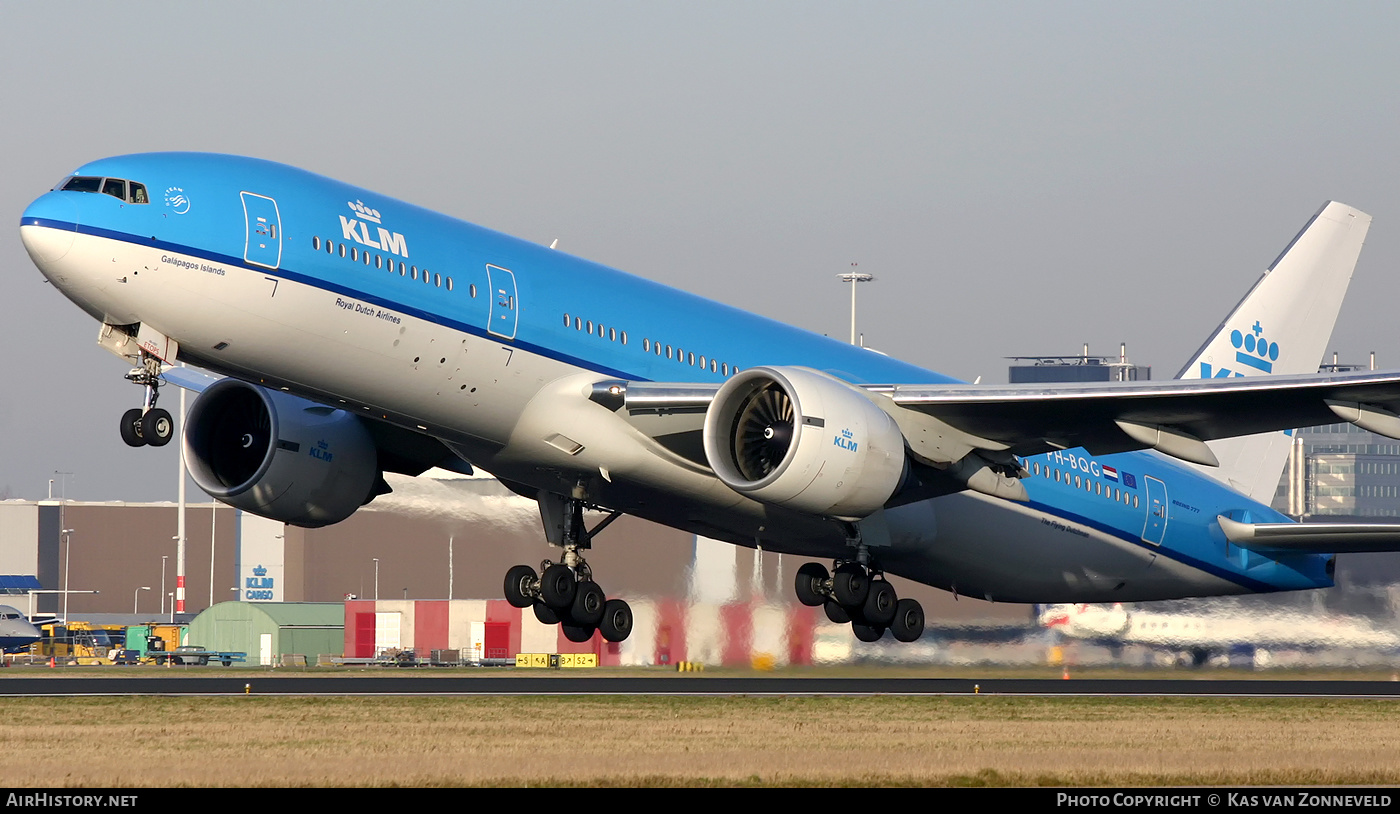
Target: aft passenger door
263, 246
504, 315
1156, 526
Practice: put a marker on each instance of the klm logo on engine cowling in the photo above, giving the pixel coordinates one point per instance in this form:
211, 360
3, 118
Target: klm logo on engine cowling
358, 230
846, 440
1252, 349
322, 452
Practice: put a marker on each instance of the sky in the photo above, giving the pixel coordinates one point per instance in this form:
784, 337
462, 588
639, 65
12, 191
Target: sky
1021, 178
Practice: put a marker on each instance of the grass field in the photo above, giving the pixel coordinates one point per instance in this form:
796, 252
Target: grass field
651, 741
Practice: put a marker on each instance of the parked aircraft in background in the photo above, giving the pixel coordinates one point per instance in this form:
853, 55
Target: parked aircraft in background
1205, 631
16, 632
361, 335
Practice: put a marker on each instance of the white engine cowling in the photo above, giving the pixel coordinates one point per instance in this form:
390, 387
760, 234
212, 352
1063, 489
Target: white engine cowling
801, 439
279, 456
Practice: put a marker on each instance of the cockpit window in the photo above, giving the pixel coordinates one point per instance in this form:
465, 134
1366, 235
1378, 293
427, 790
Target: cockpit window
129, 191
115, 187
83, 183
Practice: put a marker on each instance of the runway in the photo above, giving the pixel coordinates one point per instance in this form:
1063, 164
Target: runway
516, 684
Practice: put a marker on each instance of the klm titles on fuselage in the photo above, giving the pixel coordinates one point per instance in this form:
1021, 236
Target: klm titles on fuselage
357, 229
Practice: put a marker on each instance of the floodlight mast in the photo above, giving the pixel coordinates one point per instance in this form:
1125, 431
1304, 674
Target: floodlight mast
854, 277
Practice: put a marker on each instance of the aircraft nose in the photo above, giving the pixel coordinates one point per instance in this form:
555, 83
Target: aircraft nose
48, 227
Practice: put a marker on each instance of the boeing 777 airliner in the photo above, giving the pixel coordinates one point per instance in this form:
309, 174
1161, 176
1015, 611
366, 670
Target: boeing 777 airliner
358, 335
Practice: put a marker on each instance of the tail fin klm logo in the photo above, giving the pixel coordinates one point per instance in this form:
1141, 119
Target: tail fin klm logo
1252, 349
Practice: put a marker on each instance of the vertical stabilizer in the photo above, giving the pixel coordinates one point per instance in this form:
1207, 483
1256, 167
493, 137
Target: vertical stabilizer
1282, 326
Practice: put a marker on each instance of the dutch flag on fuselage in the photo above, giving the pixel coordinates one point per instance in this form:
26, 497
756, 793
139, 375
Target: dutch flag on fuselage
1110, 473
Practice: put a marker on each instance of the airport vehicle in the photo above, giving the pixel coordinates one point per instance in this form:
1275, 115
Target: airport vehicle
148, 641
17, 633
82, 642
187, 654
360, 335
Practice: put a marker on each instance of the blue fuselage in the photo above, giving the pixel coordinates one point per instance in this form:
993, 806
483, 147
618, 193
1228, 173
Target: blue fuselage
282, 277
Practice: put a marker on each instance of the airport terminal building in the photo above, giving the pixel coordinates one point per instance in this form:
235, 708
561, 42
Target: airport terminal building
431, 538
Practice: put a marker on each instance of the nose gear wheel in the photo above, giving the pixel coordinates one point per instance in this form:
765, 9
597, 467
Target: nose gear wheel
147, 425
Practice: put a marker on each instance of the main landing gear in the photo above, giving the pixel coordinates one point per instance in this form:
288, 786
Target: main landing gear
564, 593
148, 424
859, 594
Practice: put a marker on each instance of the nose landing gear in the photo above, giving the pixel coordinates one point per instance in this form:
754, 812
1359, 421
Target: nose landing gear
148, 424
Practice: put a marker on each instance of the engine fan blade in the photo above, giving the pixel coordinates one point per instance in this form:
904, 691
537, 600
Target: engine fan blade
763, 432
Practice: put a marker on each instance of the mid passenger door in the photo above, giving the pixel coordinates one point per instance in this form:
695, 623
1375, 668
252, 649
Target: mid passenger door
504, 316
1156, 526
263, 246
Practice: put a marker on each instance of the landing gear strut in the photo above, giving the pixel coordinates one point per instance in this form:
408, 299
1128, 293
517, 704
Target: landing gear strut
564, 593
858, 594
147, 424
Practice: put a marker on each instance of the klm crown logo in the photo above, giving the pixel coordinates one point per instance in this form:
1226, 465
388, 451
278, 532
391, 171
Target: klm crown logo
260, 571
1252, 349
362, 211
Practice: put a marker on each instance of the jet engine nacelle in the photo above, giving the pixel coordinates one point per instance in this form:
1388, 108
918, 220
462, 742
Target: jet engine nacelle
801, 439
279, 456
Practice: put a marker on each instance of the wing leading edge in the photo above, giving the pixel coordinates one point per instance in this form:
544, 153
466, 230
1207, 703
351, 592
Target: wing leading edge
1175, 417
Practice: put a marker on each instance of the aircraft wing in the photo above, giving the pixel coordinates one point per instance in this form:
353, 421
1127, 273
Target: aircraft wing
1175, 417
1324, 538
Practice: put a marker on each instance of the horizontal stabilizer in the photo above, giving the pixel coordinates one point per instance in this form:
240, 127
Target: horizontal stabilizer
1320, 538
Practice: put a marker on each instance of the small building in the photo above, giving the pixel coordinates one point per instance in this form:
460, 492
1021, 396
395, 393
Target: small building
267, 631
1076, 369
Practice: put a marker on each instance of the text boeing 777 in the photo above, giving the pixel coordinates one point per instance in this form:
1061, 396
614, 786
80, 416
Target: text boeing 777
361, 335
